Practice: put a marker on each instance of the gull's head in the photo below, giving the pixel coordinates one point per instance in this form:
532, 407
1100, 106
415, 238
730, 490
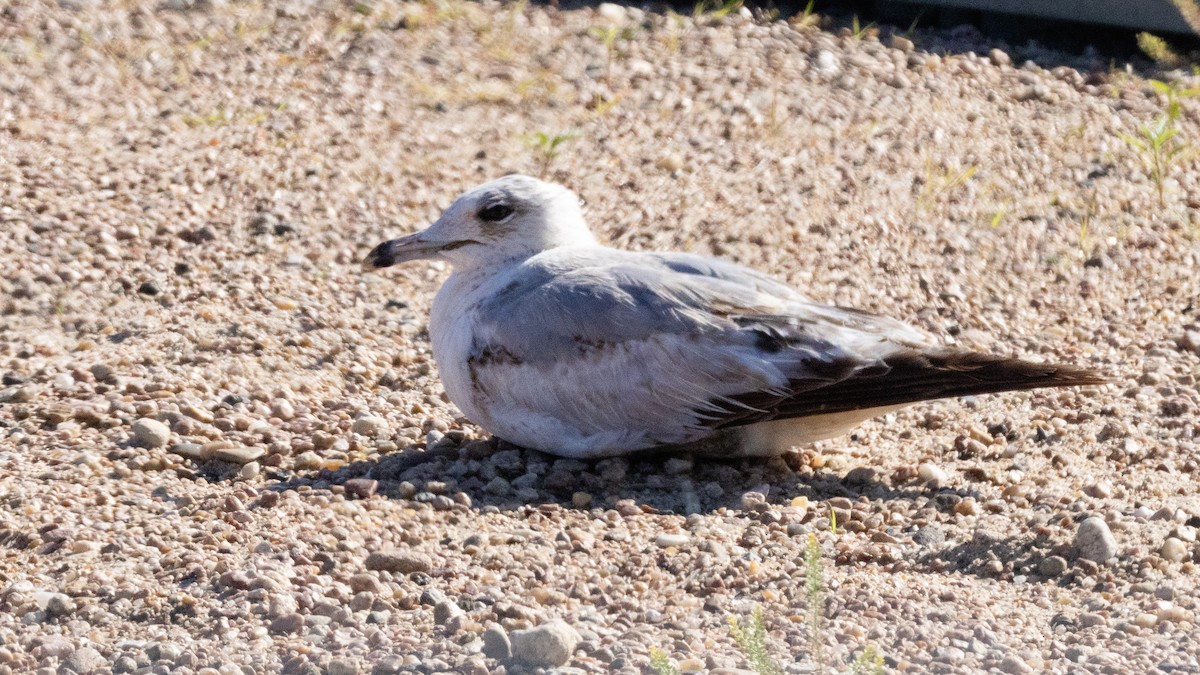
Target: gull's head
510, 218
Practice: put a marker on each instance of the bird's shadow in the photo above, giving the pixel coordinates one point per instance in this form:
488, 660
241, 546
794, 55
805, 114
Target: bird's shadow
495, 475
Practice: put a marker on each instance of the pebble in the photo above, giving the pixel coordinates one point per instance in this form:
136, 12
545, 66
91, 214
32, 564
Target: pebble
398, 562
1052, 566
150, 433
667, 540
1173, 550
548, 645
902, 43
1094, 540
361, 487
445, 610
287, 624
1145, 620
827, 63
238, 455
1013, 665
249, 471
932, 474
1191, 341
192, 451
496, 644
370, 426
84, 660
60, 604
999, 57
283, 409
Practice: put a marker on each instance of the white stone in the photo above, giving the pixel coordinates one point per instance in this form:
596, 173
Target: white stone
151, 433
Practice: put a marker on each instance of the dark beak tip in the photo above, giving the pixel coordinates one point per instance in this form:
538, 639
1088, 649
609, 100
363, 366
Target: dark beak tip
380, 256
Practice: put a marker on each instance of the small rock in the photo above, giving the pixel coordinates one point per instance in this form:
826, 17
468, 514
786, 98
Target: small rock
1100, 490
612, 13
58, 604
999, 57
932, 474
150, 433
343, 667
667, 540
149, 288
84, 660
287, 624
496, 644
929, 535
365, 583
361, 487
902, 43
1013, 665
1173, 550
238, 455
370, 426
250, 471
1052, 566
283, 409
1191, 341
863, 475
1095, 541
444, 611
1091, 619
1145, 620
550, 644
193, 451
827, 63
398, 562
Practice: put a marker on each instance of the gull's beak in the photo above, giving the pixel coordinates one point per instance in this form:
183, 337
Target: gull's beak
401, 250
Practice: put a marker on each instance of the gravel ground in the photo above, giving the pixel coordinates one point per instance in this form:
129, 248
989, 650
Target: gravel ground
223, 448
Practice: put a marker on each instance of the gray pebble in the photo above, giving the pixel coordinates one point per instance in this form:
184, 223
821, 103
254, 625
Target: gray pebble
361, 487
667, 540
150, 433
550, 644
1052, 566
286, 624
370, 426
59, 604
496, 644
444, 611
239, 455
1095, 541
84, 660
401, 562
1173, 550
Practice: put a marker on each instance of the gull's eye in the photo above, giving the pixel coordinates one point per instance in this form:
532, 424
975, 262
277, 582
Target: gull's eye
495, 213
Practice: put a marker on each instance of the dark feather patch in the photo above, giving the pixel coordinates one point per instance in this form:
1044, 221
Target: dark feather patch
906, 377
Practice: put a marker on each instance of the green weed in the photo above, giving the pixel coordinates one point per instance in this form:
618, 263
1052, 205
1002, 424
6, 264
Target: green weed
808, 17
751, 639
716, 9
814, 593
868, 662
1158, 144
547, 148
609, 36
939, 185
660, 664
858, 31
1159, 50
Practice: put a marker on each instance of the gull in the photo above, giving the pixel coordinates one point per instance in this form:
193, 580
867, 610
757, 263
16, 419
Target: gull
549, 340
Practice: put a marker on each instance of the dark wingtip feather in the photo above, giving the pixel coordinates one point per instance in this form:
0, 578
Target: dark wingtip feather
907, 377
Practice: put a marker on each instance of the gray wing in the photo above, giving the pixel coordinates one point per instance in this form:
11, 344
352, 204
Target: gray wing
669, 346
